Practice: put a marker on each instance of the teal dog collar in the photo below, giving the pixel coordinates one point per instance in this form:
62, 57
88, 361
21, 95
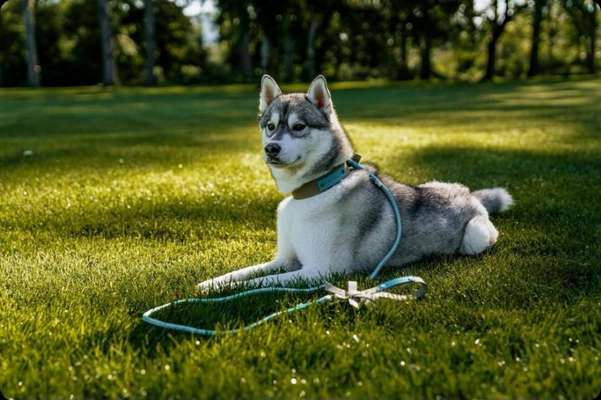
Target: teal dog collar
325, 182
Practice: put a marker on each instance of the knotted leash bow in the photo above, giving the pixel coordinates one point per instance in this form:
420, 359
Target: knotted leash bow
355, 297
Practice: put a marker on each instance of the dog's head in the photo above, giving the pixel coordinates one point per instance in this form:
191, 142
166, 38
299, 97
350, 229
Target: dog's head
302, 138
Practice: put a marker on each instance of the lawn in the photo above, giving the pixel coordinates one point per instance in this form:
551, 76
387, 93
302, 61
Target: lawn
115, 201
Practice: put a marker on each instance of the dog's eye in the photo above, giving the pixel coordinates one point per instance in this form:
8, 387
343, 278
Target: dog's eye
271, 126
298, 127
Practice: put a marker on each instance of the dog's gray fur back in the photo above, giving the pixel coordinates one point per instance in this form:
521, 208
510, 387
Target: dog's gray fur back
434, 216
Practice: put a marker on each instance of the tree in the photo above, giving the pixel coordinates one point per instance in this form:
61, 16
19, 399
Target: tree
430, 21
592, 49
237, 27
259, 31
498, 20
584, 18
13, 68
178, 42
269, 18
537, 18
311, 34
315, 18
290, 26
465, 41
399, 24
2, 3
150, 40
50, 42
109, 69
31, 54
425, 48
318, 16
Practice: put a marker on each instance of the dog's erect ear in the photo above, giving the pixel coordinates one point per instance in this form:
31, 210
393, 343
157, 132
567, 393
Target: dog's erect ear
319, 94
269, 91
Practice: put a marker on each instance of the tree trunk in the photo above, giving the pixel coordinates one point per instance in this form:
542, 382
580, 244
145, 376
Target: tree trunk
404, 64
425, 69
491, 58
31, 55
551, 34
310, 64
592, 44
109, 73
149, 31
288, 41
537, 18
498, 27
288, 58
244, 54
1, 60
264, 54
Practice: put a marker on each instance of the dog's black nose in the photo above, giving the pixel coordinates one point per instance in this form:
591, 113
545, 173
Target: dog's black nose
272, 149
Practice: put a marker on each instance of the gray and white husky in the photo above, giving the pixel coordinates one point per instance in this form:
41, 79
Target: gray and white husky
350, 226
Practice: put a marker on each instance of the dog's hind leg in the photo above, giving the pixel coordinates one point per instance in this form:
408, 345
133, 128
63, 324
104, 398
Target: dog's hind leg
479, 234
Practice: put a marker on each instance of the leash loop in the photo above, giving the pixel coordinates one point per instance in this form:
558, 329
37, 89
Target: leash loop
354, 296
147, 316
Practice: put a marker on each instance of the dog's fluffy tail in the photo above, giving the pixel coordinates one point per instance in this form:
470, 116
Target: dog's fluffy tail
495, 200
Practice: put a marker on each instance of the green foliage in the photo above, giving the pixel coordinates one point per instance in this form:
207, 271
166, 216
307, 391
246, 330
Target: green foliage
295, 40
513, 51
129, 197
68, 38
179, 43
375, 39
12, 46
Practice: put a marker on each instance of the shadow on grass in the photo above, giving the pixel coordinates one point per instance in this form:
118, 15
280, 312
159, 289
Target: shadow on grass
107, 151
60, 118
494, 166
553, 228
137, 111
223, 316
208, 218
156, 223
576, 105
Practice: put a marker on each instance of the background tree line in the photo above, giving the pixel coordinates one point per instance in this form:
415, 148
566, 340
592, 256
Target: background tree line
80, 42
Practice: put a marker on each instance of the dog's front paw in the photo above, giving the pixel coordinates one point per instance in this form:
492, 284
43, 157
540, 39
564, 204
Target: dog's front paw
206, 287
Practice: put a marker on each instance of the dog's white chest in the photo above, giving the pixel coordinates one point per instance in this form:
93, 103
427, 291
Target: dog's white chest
312, 232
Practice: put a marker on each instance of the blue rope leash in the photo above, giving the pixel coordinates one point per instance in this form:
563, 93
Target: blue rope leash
335, 293
397, 217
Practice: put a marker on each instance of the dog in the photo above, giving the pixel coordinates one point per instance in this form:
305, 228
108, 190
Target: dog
347, 225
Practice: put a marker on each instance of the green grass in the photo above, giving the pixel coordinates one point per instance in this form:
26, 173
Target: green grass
132, 196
